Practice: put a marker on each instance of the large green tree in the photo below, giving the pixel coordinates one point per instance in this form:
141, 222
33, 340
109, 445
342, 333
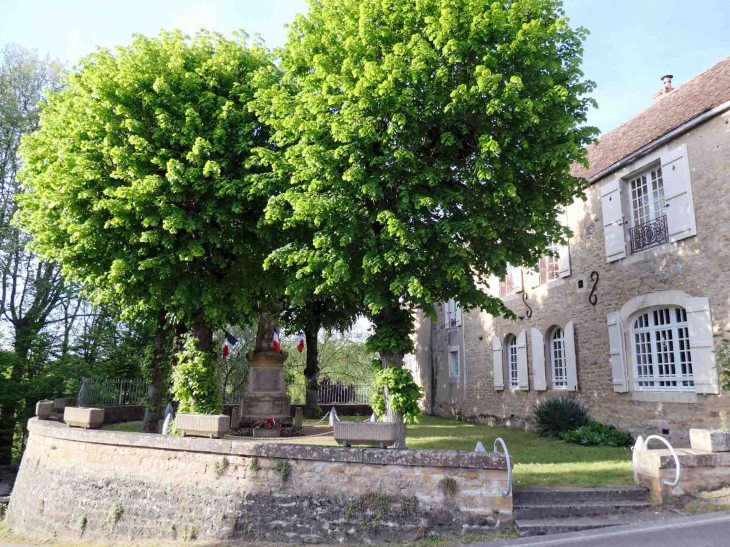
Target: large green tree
426, 144
139, 183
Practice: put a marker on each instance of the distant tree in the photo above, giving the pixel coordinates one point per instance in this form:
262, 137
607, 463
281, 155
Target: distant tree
139, 184
427, 144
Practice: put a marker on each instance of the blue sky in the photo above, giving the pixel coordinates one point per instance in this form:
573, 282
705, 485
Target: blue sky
632, 42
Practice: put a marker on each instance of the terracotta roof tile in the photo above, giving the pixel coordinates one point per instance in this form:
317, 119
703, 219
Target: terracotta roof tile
700, 94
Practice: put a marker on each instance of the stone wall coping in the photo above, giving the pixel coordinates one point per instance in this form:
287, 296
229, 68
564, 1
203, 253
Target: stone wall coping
236, 447
688, 457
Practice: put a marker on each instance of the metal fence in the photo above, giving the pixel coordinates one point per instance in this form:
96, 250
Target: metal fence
332, 393
123, 391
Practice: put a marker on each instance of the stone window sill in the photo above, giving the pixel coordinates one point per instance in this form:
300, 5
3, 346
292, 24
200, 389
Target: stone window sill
663, 397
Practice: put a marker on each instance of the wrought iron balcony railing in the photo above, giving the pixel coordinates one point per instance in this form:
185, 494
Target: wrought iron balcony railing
649, 234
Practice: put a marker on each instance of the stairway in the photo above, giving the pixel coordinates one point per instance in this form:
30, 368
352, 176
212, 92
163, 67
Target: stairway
543, 511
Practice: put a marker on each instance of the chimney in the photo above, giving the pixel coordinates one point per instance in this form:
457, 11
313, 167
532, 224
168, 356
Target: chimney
666, 89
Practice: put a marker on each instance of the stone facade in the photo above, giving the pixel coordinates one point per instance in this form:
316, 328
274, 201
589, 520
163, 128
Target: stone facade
136, 487
695, 266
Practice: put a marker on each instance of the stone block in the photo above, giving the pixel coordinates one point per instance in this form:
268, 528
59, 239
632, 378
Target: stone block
44, 409
203, 425
712, 440
87, 418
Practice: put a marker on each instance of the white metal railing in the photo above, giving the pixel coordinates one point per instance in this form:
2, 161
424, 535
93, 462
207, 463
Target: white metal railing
505, 492
642, 445
333, 393
121, 391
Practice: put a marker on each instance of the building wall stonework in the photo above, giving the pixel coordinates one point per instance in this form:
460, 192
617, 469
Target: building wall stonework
137, 487
698, 265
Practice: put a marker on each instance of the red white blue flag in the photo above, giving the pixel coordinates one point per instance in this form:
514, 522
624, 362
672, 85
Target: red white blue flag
229, 344
275, 340
300, 344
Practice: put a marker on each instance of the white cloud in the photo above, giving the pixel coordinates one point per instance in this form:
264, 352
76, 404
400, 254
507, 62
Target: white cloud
78, 46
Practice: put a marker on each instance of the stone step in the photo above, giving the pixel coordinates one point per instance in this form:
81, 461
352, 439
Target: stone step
578, 509
525, 496
544, 527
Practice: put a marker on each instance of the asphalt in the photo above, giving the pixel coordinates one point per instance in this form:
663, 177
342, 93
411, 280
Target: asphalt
708, 530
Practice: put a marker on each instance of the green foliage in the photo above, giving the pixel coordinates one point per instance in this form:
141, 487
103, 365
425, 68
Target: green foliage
554, 417
195, 379
723, 363
190, 533
404, 393
448, 486
82, 524
221, 466
283, 467
115, 513
139, 181
598, 434
253, 464
422, 146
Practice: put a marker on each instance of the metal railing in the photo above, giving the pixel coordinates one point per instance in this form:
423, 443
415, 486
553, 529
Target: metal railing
505, 492
642, 444
122, 391
333, 393
649, 234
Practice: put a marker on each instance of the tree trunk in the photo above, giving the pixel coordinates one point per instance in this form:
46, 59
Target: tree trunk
202, 332
311, 371
180, 330
153, 410
394, 360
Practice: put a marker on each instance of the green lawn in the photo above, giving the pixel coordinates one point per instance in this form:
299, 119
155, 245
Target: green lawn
538, 461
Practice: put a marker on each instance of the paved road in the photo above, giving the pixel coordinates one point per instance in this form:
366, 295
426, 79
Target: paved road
710, 530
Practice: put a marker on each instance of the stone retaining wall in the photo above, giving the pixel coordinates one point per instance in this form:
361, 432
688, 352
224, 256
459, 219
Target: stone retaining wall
106, 485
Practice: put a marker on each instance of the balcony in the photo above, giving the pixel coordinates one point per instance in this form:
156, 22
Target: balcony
649, 234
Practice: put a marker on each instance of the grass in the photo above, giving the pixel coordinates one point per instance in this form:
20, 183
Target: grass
538, 461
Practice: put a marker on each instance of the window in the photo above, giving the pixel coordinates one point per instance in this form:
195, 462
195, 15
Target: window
647, 197
550, 266
557, 359
512, 283
454, 364
662, 355
453, 314
653, 200
512, 363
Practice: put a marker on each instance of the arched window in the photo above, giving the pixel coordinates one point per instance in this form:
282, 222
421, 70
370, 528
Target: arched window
662, 356
557, 359
512, 369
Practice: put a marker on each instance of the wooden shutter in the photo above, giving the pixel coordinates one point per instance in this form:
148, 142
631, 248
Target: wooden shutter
678, 195
616, 353
613, 220
532, 279
571, 367
538, 360
516, 274
523, 381
704, 368
563, 252
498, 371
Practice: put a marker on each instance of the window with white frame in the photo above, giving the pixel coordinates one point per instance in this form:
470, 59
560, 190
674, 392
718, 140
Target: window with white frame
454, 364
647, 197
512, 369
557, 359
551, 263
661, 348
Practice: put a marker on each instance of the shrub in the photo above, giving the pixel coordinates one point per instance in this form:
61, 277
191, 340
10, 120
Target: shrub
560, 415
403, 391
598, 434
195, 380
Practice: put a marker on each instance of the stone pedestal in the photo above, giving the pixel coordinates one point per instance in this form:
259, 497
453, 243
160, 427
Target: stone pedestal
265, 387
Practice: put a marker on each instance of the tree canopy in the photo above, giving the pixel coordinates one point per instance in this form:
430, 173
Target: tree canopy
426, 144
139, 181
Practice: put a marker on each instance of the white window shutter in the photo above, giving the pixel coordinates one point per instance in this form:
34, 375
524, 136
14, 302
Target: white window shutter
702, 345
531, 279
494, 285
537, 341
523, 380
497, 362
563, 251
457, 314
678, 195
517, 279
613, 220
617, 354
571, 368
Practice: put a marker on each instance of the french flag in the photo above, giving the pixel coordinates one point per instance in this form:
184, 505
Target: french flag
300, 344
275, 340
229, 344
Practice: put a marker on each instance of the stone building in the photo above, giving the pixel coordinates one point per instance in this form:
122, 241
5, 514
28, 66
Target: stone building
628, 316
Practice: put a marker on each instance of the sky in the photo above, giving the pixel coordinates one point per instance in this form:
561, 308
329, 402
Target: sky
632, 42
